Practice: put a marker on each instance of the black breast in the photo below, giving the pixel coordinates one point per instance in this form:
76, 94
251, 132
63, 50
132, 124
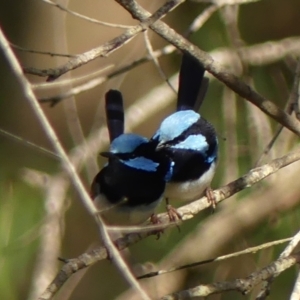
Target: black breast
117, 181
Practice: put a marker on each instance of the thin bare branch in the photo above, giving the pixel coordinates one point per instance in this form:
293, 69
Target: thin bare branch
224, 229
226, 2
296, 291
229, 108
291, 246
69, 167
252, 250
70, 107
201, 19
207, 13
29, 144
73, 80
265, 291
242, 285
232, 81
30, 97
156, 62
92, 20
233, 2
53, 100
255, 55
291, 105
52, 230
112, 45
187, 212
295, 93
251, 55
41, 52
156, 100
115, 256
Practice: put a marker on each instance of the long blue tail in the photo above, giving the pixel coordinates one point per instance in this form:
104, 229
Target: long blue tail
114, 113
192, 84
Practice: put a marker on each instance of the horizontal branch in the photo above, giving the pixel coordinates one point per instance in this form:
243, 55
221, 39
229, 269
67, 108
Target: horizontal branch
187, 212
242, 285
259, 54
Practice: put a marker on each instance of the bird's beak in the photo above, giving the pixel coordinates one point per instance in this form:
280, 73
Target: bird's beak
161, 145
108, 154
158, 145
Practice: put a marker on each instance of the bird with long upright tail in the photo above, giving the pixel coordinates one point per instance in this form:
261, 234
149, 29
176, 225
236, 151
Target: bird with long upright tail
131, 185
188, 139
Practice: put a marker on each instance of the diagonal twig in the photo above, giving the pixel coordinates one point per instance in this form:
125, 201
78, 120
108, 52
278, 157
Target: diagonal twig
112, 45
219, 258
233, 82
242, 285
265, 291
156, 62
68, 166
89, 19
291, 105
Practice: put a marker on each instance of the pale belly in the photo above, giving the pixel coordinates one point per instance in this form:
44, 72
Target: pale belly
190, 190
122, 214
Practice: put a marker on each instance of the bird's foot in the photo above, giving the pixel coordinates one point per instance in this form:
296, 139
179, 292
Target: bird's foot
211, 198
174, 215
156, 221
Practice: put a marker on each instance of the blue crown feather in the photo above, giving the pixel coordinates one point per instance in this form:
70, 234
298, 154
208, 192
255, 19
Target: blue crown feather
174, 125
127, 143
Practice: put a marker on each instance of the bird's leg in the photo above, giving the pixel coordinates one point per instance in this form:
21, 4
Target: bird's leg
174, 215
156, 221
211, 198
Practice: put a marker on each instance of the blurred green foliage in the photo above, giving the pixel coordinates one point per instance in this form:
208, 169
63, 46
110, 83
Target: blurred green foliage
20, 217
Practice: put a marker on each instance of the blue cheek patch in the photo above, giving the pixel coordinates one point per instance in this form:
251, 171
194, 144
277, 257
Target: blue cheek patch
127, 143
141, 163
175, 125
193, 142
214, 155
210, 159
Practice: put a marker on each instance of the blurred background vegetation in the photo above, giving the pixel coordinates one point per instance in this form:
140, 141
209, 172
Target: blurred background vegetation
265, 212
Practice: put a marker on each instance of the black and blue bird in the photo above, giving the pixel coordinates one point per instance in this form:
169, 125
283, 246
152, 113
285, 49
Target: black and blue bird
187, 138
131, 185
